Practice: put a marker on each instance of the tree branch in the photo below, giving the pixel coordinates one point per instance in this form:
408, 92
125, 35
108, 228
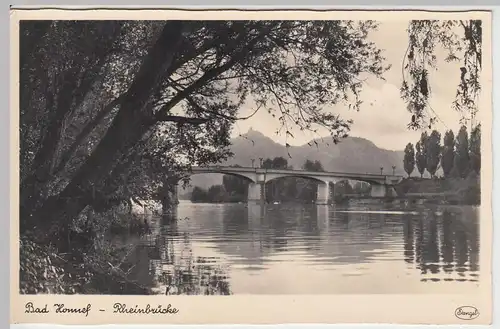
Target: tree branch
178, 119
213, 73
200, 109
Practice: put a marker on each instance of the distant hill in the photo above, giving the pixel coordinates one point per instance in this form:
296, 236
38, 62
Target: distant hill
352, 154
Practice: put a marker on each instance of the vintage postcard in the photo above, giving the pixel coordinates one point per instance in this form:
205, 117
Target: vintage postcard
251, 166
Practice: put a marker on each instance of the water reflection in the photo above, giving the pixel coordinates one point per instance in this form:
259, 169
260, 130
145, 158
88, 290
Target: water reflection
166, 263
444, 243
225, 249
409, 239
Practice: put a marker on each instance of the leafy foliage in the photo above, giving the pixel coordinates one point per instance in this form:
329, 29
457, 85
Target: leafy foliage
409, 159
306, 188
235, 186
362, 188
199, 195
475, 149
42, 271
463, 42
462, 163
341, 189
448, 154
421, 156
433, 152
278, 189
451, 190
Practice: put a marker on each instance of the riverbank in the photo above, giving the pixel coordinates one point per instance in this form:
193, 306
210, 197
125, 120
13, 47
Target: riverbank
236, 199
466, 191
97, 267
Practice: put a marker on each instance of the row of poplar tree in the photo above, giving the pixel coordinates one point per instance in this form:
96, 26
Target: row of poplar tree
457, 157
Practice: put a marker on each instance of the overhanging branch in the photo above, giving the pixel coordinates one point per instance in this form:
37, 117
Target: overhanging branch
213, 73
193, 103
180, 119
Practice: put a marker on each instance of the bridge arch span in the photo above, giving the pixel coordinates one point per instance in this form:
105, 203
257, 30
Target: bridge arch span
274, 177
323, 184
247, 177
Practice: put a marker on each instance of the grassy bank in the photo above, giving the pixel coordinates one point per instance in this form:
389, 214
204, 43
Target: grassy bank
96, 267
445, 190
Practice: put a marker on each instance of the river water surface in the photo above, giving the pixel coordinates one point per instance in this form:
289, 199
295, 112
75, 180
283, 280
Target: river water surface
295, 249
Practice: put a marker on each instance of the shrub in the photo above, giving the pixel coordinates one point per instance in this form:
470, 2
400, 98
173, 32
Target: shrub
93, 268
43, 271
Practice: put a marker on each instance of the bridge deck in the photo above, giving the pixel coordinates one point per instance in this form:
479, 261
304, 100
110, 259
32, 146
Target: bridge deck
221, 169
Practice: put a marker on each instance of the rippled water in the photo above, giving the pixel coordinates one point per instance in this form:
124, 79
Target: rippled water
296, 249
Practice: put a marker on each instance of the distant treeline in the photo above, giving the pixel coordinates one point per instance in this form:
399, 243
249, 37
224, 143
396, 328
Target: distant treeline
460, 159
457, 157
287, 189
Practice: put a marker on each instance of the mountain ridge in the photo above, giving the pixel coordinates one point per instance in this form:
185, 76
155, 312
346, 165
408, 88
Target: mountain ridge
351, 154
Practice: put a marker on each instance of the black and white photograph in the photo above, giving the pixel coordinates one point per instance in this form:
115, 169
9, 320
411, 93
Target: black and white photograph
253, 156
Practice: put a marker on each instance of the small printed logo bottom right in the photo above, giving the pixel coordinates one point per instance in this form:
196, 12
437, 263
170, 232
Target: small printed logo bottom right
467, 313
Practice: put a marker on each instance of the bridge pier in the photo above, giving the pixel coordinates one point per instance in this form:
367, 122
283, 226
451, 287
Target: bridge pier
382, 190
323, 194
256, 193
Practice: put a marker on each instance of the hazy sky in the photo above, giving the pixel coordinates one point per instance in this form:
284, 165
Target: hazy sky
383, 116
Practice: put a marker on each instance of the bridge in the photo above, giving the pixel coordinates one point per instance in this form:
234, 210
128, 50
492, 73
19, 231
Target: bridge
382, 185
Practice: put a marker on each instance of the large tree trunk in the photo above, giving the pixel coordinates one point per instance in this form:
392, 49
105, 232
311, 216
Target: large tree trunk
67, 93
131, 122
35, 185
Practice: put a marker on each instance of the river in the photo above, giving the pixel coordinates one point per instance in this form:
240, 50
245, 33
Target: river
221, 249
